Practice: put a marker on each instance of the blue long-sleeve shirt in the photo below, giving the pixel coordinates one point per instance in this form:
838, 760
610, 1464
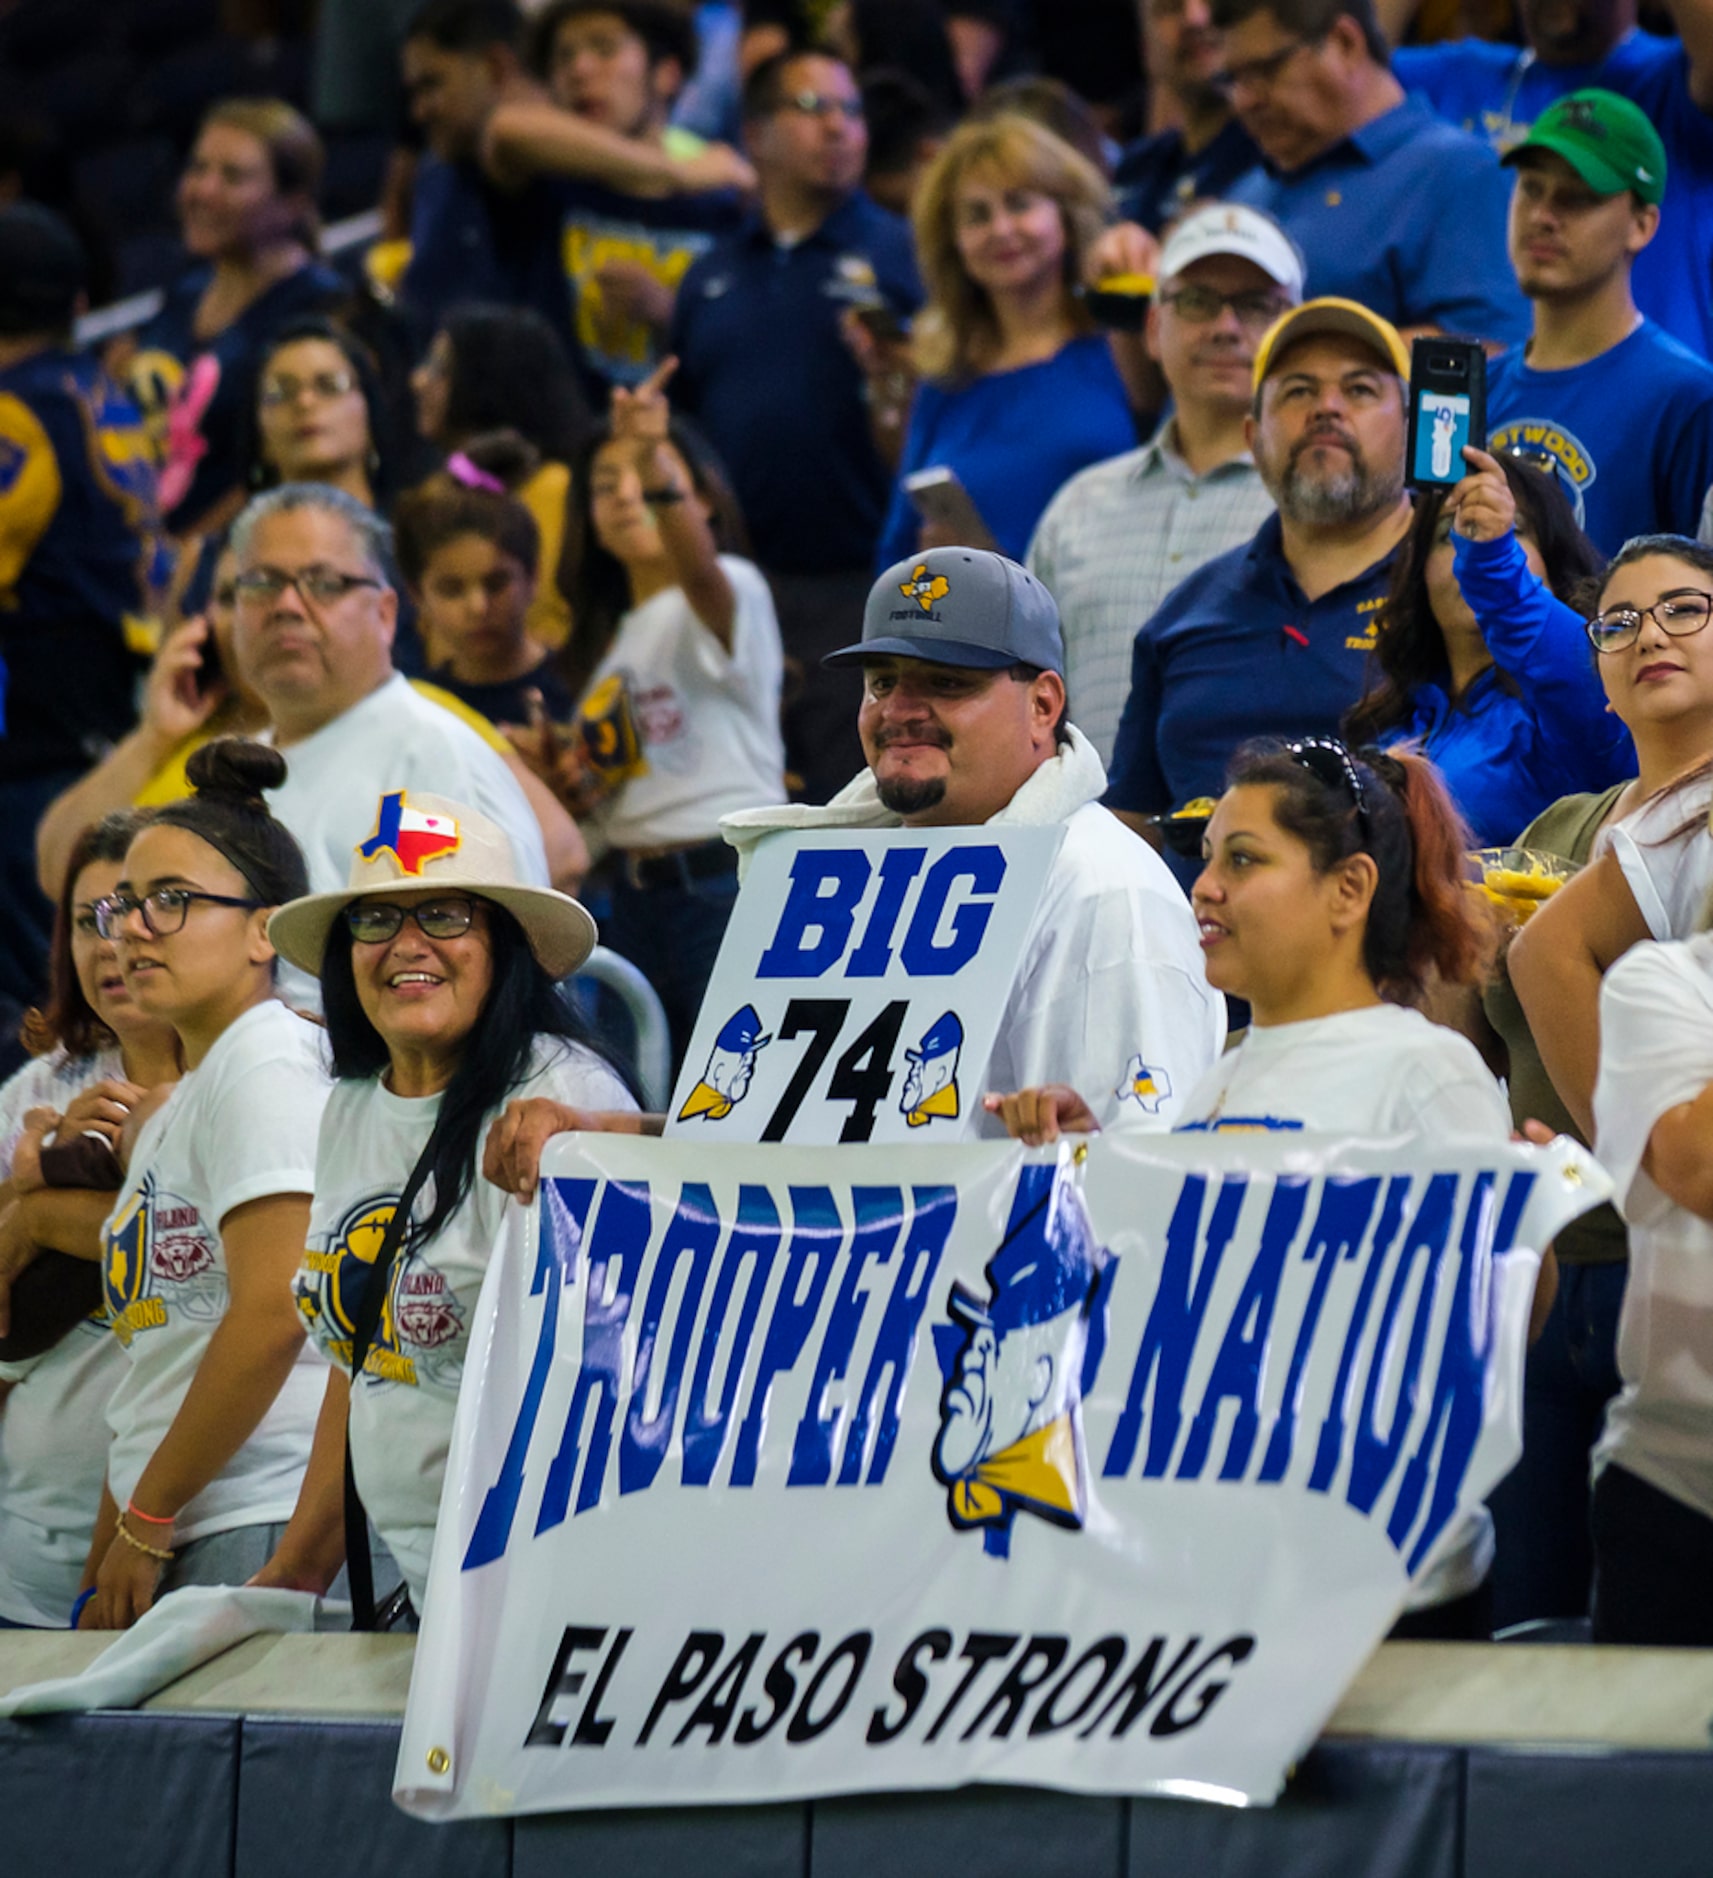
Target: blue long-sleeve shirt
1505, 756
1015, 438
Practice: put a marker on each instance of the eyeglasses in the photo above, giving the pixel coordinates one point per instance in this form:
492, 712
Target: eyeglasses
818, 104
328, 385
1258, 74
1681, 613
163, 910
1201, 306
1328, 761
316, 586
374, 922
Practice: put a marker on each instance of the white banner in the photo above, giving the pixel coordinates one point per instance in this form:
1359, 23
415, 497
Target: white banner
789, 1472
860, 985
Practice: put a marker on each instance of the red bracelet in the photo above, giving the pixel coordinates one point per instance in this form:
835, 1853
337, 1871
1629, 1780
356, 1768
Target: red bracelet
134, 1511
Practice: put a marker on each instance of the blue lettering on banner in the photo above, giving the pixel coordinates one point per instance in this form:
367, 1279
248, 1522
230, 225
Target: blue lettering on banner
925, 955
945, 929
694, 1317
826, 885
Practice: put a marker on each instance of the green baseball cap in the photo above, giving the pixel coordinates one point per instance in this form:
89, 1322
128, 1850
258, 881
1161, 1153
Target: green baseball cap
1606, 139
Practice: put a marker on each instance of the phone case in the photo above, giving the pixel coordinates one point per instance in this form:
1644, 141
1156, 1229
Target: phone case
1448, 409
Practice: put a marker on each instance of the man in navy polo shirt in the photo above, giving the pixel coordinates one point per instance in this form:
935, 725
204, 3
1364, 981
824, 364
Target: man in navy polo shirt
1272, 638
764, 370
1499, 91
1196, 149
1600, 394
1391, 207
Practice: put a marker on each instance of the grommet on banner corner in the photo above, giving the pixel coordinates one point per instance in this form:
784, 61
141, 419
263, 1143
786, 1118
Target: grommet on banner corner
1079, 1154
439, 1761
1572, 1175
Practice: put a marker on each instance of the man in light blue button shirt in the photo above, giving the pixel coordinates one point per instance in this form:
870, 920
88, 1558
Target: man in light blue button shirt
1119, 536
1392, 207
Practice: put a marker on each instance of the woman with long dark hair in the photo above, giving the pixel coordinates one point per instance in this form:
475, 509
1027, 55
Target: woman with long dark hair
321, 415
440, 992
96, 1055
1483, 665
213, 1415
676, 656
1331, 896
497, 368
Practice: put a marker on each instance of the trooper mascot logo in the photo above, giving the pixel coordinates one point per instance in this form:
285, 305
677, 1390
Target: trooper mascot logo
731, 1063
1017, 1367
931, 1081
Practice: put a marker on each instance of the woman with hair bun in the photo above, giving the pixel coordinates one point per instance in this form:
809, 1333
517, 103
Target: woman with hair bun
1331, 897
213, 1419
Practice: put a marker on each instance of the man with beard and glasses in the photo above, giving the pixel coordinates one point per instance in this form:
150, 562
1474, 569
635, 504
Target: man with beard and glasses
1500, 91
1272, 639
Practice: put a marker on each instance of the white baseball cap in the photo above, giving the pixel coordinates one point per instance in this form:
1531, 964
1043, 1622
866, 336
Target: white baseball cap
1233, 228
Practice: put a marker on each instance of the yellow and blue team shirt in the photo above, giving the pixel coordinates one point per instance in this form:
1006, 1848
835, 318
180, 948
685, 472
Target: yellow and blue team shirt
196, 393
662, 235
81, 553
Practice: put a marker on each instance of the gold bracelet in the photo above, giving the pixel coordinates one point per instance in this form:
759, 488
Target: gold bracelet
131, 1539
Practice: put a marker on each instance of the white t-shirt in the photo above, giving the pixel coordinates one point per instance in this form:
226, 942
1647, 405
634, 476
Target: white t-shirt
1656, 1050
394, 739
1386, 1070
1111, 994
1378, 1072
401, 1414
1669, 867
53, 1428
239, 1126
708, 719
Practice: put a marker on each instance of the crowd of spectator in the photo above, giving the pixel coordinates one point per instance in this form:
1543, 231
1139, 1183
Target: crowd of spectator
573, 513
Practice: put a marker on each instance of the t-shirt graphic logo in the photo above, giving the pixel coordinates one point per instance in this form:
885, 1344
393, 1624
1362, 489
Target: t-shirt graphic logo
1144, 1085
731, 1064
931, 1081
923, 590
1018, 1364
411, 837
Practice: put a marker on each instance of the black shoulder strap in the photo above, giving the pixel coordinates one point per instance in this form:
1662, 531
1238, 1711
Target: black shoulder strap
359, 1566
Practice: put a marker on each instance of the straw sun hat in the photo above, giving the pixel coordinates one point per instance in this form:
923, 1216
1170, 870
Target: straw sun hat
424, 845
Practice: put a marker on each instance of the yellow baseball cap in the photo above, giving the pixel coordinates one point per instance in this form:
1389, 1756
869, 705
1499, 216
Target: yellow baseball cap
1332, 316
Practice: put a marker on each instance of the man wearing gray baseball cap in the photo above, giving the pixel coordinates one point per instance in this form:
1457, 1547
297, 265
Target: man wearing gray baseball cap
963, 721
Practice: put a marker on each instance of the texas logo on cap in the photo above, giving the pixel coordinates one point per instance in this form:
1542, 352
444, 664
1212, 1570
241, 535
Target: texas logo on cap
923, 590
411, 837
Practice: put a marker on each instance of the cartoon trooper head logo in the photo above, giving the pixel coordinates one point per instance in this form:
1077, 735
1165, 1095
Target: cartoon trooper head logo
931, 1081
923, 590
1017, 1365
731, 1063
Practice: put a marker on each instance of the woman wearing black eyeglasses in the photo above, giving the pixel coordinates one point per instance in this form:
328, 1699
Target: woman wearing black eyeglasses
1649, 865
213, 1417
438, 971
1331, 895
